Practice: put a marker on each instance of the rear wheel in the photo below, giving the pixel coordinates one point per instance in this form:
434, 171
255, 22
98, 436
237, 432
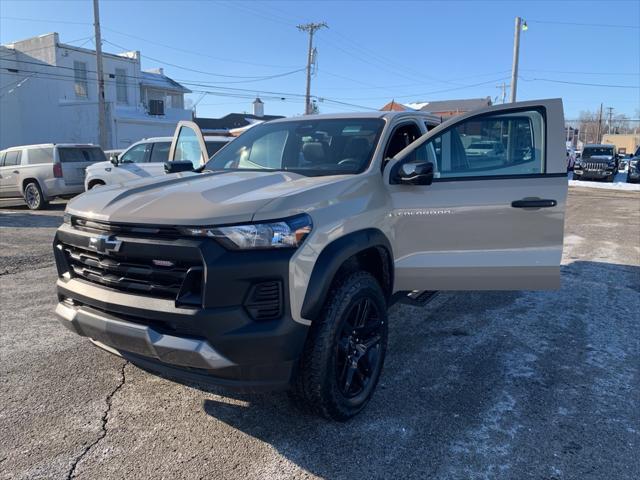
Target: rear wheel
345, 349
33, 196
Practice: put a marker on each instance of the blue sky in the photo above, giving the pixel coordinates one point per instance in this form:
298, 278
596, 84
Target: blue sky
371, 52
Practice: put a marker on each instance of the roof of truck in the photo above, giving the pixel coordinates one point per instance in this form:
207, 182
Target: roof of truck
388, 115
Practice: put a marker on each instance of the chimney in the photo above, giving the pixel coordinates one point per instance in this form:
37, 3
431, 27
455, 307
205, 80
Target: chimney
258, 107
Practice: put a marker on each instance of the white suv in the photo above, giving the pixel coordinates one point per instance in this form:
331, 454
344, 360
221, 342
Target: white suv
39, 173
145, 158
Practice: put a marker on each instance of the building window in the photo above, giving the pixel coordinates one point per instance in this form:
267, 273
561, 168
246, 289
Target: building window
80, 75
121, 85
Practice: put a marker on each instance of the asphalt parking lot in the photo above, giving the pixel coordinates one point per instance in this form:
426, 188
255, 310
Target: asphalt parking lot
504, 385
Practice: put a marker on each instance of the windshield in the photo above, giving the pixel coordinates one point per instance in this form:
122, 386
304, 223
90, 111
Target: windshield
309, 147
597, 152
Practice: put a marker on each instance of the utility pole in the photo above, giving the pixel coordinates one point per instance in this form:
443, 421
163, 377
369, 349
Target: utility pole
503, 92
311, 29
599, 125
102, 127
610, 109
516, 54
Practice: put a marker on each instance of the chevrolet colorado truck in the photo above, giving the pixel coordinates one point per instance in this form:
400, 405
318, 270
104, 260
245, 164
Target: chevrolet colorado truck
274, 264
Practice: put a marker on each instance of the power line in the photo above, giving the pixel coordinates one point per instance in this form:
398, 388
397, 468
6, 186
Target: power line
582, 73
604, 85
68, 22
234, 93
191, 52
433, 92
202, 72
604, 25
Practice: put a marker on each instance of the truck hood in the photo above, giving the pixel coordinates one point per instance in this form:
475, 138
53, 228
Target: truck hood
99, 166
211, 198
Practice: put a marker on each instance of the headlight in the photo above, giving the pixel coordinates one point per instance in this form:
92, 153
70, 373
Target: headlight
288, 233
66, 218
612, 163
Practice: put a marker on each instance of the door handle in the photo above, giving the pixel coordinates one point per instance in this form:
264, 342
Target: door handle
533, 203
16, 172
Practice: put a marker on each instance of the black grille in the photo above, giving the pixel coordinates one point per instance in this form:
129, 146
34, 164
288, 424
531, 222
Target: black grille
596, 165
264, 301
114, 228
127, 274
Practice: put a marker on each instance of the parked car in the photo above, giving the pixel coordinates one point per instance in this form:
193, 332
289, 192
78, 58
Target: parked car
597, 162
142, 159
39, 173
273, 265
633, 170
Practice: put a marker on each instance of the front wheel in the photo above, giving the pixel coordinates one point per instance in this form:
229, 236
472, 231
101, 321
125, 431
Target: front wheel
610, 178
345, 349
33, 196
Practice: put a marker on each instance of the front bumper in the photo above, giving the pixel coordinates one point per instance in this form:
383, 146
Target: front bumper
57, 187
597, 174
219, 341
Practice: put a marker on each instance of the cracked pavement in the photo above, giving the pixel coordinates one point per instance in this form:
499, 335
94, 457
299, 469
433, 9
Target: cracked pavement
477, 385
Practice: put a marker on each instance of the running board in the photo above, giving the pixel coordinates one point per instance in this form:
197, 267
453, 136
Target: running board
417, 298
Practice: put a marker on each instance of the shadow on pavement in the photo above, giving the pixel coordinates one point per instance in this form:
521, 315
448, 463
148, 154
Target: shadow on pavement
29, 220
483, 384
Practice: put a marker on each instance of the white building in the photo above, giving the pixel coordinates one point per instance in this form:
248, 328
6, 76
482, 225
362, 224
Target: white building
49, 93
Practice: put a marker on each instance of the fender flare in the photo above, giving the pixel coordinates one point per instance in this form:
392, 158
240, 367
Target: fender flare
332, 258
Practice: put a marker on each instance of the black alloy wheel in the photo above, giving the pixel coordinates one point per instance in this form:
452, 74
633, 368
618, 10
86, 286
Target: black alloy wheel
358, 349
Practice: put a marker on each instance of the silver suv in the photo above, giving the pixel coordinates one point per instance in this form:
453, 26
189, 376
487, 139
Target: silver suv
273, 266
39, 173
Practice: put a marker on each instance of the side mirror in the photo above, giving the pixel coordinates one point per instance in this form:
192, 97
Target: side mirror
113, 158
177, 166
415, 173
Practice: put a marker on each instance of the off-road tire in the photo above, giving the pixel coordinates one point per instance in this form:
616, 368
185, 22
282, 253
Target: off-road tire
33, 196
611, 178
315, 386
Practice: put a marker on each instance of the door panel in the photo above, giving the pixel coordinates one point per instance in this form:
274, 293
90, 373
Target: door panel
188, 144
9, 176
464, 231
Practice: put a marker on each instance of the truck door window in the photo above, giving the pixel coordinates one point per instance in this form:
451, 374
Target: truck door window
160, 152
401, 137
136, 154
507, 144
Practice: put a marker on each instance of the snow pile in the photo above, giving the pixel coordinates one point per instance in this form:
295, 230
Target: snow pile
619, 183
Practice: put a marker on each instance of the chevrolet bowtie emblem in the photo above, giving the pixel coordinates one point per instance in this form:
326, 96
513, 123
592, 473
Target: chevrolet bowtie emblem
104, 244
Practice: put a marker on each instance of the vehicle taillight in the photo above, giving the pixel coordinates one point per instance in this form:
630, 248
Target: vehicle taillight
57, 170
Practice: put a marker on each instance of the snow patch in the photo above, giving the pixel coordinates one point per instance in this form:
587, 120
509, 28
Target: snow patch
619, 183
